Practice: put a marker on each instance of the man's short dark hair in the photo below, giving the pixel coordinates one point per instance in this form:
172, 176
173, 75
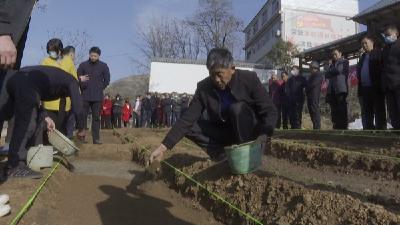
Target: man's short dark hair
219, 58
68, 50
95, 50
54, 44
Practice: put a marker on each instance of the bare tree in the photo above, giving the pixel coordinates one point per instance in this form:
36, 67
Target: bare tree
216, 26
167, 38
80, 39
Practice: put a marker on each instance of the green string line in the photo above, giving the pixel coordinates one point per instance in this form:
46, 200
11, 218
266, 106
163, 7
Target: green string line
32, 199
218, 197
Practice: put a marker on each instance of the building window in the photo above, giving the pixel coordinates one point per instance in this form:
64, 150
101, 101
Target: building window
265, 16
275, 6
255, 27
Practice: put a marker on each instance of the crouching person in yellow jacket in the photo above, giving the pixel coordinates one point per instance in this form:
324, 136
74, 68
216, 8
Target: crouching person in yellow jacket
58, 110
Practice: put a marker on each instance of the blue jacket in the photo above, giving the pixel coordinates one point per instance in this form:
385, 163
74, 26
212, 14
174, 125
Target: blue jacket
99, 79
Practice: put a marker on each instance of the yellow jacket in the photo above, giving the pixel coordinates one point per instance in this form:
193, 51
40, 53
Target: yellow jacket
68, 66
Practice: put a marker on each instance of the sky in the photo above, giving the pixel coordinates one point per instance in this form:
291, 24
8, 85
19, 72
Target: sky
112, 25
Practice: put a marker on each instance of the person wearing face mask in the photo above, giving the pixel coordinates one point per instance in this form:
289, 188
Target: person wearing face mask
58, 109
94, 77
337, 75
372, 98
238, 109
391, 74
295, 90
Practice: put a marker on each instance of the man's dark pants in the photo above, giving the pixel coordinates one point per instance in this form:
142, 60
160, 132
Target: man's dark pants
240, 127
315, 114
136, 120
393, 103
95, 109
28, 125
117, 123
338, 104
373, 108
296, 113
106, 122
146, 118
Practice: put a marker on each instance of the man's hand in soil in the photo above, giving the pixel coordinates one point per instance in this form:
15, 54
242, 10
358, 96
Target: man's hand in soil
50, 124
8, 52
158, 154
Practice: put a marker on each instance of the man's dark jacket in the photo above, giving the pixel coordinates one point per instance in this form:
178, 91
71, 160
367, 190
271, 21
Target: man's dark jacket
313, 87
99, 79
14, 17
245, 87
391, 66
338, 74
295, 88
375, 70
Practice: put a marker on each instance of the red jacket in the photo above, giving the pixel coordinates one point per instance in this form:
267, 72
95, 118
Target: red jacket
126, 112
107, 107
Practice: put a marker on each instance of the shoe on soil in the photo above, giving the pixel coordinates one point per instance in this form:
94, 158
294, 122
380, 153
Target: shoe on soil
4, 210
97, 142
23, 171
4, 198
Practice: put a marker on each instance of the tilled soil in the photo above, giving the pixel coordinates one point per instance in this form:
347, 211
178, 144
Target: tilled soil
106, 188
272, 198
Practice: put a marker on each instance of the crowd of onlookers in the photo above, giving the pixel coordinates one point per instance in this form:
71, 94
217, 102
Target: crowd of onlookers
154, 110
377, 75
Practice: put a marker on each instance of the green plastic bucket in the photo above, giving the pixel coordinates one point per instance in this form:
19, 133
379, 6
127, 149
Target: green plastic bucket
244, 158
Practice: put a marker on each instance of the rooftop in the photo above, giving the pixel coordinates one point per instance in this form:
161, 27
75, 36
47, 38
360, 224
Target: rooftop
385, 8
203, 62
347, 45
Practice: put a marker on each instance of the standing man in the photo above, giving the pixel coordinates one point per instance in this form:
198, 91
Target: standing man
284, 101
146, 111
391, 74
237, 104
167, 104
313, 92
295, 90
372, 98
94, 76
337, 74
274, 88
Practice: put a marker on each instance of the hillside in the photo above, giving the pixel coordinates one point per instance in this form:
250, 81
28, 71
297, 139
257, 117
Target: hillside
129, 86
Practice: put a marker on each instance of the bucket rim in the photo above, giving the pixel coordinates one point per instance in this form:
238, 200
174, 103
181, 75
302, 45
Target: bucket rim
67, 140
232, 147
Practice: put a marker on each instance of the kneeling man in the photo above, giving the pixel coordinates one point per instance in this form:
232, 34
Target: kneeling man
229, 107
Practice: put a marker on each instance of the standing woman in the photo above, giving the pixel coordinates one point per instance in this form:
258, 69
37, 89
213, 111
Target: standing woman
126, 113
337, 74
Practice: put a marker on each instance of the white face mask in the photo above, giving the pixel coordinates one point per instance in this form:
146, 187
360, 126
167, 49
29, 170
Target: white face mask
53, 55
294, 72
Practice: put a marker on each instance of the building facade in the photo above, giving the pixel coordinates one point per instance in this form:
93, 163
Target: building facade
306, 23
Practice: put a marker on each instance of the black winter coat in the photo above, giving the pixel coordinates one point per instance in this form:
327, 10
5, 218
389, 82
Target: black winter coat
391, 66
245, 87
375, 70
99, 79
313, 87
